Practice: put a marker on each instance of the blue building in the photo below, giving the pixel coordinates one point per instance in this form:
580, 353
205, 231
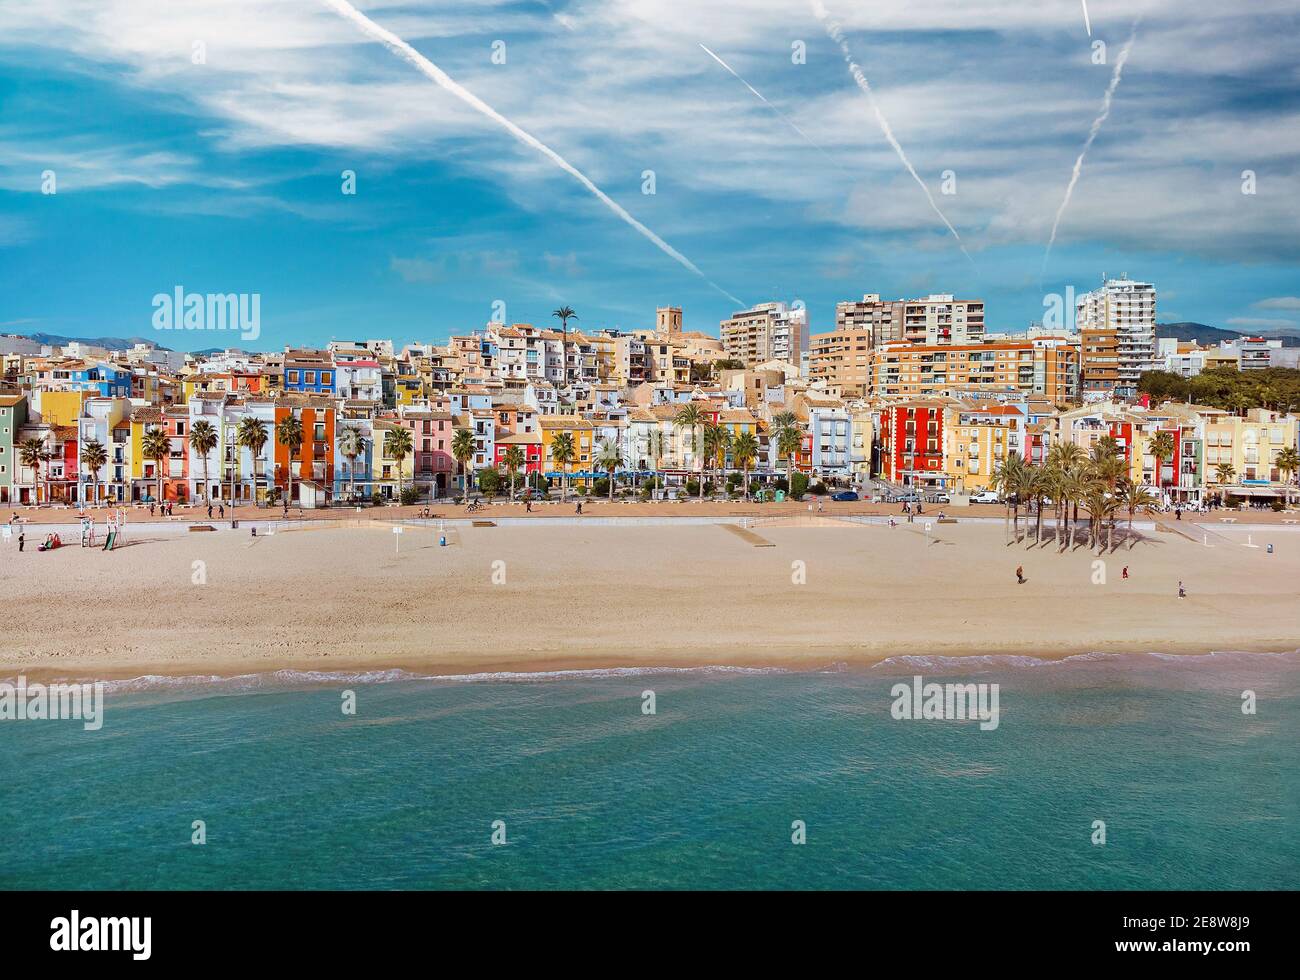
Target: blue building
308, 371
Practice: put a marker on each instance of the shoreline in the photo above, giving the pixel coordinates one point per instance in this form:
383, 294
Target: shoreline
548, 666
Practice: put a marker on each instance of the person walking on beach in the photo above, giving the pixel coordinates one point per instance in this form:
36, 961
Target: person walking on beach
221, 511
22, 539
528, 506
1125, 575
209, 511
1020, 574
1182, 593
579, 507
1178, 513
151, 508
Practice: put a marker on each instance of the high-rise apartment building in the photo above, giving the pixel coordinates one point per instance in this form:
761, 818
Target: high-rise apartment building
1046, 367
1117, 328
767, 332
940, 319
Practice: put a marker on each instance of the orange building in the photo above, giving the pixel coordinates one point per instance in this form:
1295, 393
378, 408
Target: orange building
313, 463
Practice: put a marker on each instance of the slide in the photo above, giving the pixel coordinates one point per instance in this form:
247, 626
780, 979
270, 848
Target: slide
110, 540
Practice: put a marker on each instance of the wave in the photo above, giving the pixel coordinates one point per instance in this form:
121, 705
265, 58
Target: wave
939, 662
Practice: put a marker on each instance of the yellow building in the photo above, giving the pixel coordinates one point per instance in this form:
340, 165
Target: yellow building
977, 440
1250, 446
386, 470
582, 432
63, 407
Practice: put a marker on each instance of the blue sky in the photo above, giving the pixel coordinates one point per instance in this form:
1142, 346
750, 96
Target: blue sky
224, 176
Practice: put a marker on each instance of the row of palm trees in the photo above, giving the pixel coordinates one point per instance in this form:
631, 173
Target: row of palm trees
1070, 478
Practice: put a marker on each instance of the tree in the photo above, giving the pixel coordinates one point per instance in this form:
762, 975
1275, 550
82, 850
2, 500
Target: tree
30, 453
398, 444
463, 448
288, 432
563, 452
251, 435
94, 457
1288, 462
565, 314
203, 439
609, 457
515, 461
1225, 473
1133, 499
156, 446
690, 417
352, 444
1008, 479
1161, 448
717, 443
744, 451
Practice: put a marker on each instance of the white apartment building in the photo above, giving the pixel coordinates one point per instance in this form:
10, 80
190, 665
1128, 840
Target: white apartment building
766, 332
1117, 324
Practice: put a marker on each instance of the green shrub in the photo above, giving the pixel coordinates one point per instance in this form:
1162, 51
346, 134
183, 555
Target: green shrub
798, 485
410, 495
600, 488
692, 488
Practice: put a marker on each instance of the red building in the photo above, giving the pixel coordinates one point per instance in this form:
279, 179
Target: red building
529, 442
911, 451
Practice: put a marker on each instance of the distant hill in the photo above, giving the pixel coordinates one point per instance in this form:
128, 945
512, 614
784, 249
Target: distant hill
1206, 335
111, 343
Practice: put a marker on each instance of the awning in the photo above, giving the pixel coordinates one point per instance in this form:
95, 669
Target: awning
1255, 491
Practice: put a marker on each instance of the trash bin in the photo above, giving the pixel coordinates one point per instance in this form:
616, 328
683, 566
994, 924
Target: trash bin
780, 496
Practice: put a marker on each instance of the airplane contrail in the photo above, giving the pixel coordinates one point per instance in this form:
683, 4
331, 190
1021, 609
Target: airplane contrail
759, 96
1092, 135
443, 80
836, 35
1086, 22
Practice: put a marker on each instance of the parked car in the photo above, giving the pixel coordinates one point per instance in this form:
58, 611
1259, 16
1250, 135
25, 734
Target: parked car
845, 495
986, 497
939, 498
907, 498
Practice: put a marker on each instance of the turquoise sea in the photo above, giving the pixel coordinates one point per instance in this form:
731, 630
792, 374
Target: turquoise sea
595, 794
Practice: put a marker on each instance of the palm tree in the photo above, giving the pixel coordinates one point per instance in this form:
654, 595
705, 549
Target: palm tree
1007, 479
1161, 447
1063, 458
717, 442
1099, 505
744, 451
94, 457
203, 439
565, 314
288, 433
1225, 472
156, 446
782, 423
690, 417
1074, 485
1036, 485
1288, 462
463, 448
251, 435
1133, 499
563, 452
398, 444
609, 457
514, 460
352, 444
30, 453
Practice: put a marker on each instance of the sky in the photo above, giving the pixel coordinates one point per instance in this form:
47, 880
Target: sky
202, 144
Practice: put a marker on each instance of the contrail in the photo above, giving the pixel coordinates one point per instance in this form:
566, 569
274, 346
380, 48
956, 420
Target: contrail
1086, 22
1092, 135
443, 80
836, 35
759, 96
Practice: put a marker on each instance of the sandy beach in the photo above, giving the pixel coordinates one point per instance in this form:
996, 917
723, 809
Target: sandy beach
553, 596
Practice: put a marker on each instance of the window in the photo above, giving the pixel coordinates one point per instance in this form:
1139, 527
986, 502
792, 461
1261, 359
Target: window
324, 377
292, 377
310, 377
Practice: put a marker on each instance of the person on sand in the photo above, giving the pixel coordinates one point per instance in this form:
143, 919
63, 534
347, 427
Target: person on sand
1125, 575
151, 508
1020, 574
1178, 513
221, 511
579, 510
528, 506
1182, 593
209, 511
22, 539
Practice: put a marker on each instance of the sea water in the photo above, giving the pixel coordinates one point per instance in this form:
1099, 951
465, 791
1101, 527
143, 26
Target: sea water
564, 781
